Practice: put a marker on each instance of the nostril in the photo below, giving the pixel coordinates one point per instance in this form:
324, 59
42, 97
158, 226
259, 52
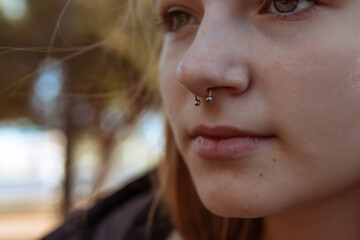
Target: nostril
188, 76
197, 73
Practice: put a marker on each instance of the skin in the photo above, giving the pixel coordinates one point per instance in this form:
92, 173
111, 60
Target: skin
295, 78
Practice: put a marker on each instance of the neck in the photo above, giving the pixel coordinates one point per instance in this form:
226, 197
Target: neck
333, 219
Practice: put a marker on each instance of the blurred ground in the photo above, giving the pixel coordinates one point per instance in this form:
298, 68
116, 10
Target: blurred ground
27, 225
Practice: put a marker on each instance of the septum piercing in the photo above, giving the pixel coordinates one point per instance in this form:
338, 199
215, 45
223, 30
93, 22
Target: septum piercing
209, 98
197, 102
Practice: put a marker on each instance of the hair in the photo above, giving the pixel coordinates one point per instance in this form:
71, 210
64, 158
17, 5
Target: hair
176, 193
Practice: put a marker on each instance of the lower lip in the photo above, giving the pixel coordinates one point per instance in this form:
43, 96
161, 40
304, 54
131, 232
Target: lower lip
227, 148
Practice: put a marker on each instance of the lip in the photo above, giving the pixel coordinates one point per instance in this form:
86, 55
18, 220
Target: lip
226, 142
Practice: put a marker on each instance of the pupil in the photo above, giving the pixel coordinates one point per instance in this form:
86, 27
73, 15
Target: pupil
180, 20
285, 6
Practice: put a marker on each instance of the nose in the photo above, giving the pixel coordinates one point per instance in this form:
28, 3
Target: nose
215, 60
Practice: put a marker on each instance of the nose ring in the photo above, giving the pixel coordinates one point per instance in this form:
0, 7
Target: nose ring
209, 98
197, 102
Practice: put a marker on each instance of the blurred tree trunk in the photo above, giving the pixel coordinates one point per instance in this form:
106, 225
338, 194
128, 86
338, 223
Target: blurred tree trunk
68, 174
70, 131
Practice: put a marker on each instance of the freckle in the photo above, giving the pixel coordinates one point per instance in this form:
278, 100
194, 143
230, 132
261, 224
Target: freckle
274, 159
261, 174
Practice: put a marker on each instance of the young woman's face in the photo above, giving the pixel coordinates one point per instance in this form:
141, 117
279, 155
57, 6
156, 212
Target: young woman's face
283, 129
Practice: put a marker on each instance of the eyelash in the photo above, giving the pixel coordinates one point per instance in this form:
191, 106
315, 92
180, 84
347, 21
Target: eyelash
165, 20
289, 16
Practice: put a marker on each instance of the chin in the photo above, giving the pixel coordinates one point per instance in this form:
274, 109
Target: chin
227, 205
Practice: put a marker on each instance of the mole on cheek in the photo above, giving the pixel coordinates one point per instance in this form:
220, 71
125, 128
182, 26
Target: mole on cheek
274, 159
261, 174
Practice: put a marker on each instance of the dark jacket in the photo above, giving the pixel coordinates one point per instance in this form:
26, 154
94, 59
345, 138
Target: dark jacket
121, 216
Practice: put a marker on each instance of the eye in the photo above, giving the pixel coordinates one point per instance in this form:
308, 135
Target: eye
288, 7
176, 19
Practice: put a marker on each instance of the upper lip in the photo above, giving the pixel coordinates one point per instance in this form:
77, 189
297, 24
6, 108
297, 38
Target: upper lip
224, 132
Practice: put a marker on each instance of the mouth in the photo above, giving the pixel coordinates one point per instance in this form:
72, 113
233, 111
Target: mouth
225, 142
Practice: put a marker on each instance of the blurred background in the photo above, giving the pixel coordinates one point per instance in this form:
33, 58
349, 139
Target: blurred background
79, 107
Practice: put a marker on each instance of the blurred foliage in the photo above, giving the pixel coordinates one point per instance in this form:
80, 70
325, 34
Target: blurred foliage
107, 51
100, 44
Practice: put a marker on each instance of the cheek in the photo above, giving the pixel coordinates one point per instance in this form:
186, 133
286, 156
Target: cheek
312, 102
175, 99
167, 82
